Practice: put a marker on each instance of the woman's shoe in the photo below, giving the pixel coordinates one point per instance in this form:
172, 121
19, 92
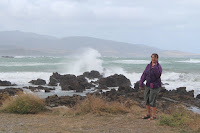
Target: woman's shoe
146, 117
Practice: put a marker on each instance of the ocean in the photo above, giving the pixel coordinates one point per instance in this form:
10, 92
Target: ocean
177, 72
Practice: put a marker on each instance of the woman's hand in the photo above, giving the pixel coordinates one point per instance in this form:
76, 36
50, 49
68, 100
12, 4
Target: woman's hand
153, 63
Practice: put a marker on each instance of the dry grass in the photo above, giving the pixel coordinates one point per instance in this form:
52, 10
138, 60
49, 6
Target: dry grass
23, 104
97, 105
64, 119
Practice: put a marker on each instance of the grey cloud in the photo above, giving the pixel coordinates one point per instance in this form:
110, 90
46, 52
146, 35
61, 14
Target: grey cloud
137, 21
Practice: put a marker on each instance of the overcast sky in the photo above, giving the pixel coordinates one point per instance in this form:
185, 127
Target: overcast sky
165, 24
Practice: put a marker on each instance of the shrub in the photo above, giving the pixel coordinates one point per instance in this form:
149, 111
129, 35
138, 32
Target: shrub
24, 104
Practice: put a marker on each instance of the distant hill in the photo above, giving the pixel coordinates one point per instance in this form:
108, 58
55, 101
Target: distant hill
26, 43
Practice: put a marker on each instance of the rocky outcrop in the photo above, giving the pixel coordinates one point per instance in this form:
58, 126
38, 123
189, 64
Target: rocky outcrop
11, 91
114, 81
68, 82
6, 83
38, 82
92, 75
198, 96
70, 101
179, 94
81, 79
54, 79
79, 83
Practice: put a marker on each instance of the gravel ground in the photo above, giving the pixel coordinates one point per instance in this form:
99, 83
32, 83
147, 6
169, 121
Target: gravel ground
90, 123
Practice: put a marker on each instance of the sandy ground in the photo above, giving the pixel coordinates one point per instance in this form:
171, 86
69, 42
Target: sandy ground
55, 122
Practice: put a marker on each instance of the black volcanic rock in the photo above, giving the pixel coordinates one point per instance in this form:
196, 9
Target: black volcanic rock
11, 91
68, 82
198, 96
70, 101
6, 83
92, 75
38, 82
114, 81
81, 79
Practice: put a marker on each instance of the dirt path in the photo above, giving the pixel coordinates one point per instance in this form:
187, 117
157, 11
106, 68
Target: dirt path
54, 123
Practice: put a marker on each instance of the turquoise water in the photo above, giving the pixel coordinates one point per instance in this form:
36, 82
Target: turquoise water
52, 64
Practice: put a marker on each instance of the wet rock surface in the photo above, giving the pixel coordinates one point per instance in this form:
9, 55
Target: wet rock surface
6, 83
114, 81
38, 82
92, 75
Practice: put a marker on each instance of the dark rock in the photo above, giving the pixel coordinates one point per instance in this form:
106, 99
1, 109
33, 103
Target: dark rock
69, 101
191, 93
35, 89
6, 83
68, 82
114, 81
81, 79
125, 90
38, 82
54, 79
11, 91
182, 90
198, 96
136, 86
92, 75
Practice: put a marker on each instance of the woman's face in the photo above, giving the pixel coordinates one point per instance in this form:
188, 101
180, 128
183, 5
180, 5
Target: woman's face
154, 58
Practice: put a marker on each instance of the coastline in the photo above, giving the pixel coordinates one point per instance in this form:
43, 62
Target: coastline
168, 102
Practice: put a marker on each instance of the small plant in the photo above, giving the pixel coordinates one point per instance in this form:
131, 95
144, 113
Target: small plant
24, 104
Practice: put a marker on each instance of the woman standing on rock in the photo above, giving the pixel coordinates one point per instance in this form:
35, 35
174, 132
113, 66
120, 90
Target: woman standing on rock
152, 75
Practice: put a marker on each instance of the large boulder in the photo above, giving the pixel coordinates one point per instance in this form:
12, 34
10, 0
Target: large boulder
54, 79
68, 82
114, 81
38, 82
92, 75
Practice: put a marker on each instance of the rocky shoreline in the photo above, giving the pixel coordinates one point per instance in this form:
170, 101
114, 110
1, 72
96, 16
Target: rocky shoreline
95, 80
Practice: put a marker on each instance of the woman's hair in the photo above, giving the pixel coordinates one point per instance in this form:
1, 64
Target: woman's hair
155, 55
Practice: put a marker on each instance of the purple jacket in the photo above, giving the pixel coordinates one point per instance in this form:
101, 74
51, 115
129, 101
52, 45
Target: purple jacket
152, 76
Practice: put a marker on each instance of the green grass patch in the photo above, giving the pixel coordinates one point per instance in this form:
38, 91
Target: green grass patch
177, 119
